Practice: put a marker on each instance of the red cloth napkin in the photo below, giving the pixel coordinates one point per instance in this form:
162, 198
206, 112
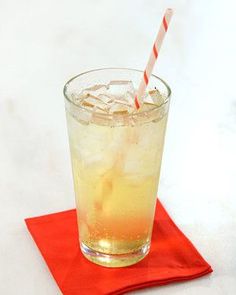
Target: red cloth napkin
172, 257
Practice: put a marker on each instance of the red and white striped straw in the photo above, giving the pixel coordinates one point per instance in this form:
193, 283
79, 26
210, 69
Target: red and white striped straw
153, 56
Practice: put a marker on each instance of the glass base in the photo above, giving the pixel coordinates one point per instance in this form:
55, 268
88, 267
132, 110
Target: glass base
114, 260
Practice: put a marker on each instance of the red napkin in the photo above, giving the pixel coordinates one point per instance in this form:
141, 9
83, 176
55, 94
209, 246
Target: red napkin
172, 257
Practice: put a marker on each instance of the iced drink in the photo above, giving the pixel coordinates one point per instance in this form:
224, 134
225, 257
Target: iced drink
116, 154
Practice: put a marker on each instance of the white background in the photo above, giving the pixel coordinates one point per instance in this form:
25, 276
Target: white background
44, 43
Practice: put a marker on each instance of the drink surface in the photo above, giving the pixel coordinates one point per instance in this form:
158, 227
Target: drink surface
116, 165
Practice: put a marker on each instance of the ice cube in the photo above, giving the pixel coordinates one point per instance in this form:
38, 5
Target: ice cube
105, 98
119, 109
100, 110
122, 102
120, 82
126, 99
148, 99
120, 87
95, 102
148, 103
129, 97
154, 92
155, 96
96, 89
76, 98
87, 104
121, 112
84, 117
147, 106
121, 106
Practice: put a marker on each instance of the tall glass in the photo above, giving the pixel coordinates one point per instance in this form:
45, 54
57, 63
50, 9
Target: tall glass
116, 162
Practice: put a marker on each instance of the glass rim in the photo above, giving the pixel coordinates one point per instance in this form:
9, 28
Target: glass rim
112, 115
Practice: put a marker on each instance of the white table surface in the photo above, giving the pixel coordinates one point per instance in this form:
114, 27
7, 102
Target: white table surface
44, 43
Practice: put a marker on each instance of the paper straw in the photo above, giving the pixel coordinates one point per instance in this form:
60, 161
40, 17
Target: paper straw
153, 56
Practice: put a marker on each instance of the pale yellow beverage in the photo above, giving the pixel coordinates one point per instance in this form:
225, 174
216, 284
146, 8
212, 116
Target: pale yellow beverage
116, 154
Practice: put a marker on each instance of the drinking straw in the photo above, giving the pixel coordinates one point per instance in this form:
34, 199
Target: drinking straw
153, 56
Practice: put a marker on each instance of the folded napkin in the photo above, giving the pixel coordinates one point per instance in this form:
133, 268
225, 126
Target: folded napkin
172, 257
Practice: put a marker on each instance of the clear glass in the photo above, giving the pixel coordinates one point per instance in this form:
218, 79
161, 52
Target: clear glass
116, 164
